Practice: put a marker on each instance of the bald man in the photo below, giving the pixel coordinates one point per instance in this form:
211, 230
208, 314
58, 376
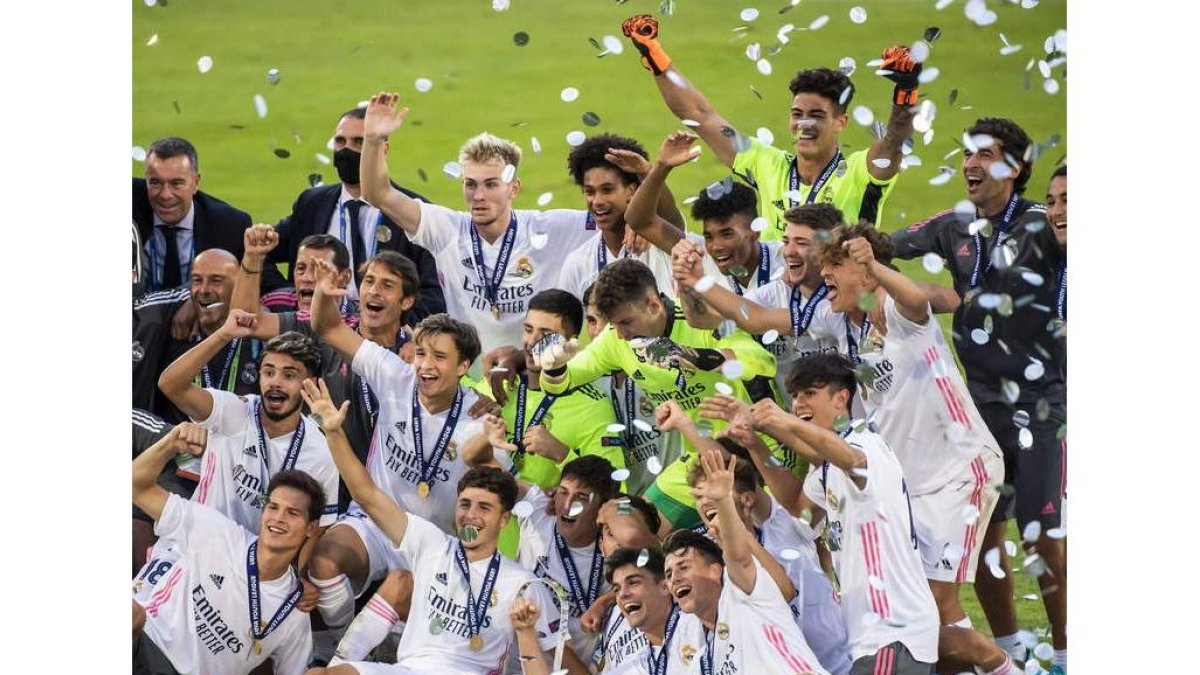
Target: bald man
233, 369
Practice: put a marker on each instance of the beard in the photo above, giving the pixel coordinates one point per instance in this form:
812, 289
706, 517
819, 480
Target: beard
286, 413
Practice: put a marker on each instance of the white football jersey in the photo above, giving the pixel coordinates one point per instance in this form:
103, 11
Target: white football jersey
537, 553
788, 348
769, 269
583, 265
392, 459
436, 638
885, 597
543, 241
233, 472
199, 615
756, 632
621, 642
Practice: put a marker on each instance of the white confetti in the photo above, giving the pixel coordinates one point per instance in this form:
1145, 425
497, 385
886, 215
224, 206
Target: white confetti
423, 84
260, 105
942, 4
732, 370
970, 514
1050, 86
151, 3
858, 15
539, 240
569, 94
1057, 533
789, 554
764, 66
933, 263
819, 22
615, 428
759, 224
1060, 40
536, 145
620, 474
749, 14
576, 508
1029, 4
500, 5
770, 336
273, 76
1025, 438
676, 79
576, 138
1033, 278
929, 75
1043, 651
1000, 170
452, 169
641, 425
545, 198
882, 162
754, 51
690, 123
1033, 530
139, 153
1044, 68
863, 115
152, 41
979, 336
723, 389
943, 177
204, 63
847, 65
508, 173
522, 509
1034, 370
764, 136
654, 466
919, 51
991, 557
1010, 49
613, 45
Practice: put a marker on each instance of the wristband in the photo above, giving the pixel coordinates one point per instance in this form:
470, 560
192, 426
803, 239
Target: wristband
248, 270
904, 97
708, 359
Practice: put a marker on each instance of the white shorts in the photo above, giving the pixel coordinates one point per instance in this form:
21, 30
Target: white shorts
952, 520
382, 556
822, 622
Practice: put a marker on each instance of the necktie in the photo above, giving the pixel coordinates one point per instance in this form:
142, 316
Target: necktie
171, 275
359, 248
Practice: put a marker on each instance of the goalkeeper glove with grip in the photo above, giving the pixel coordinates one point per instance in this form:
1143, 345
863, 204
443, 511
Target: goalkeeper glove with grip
904, 71
642, 30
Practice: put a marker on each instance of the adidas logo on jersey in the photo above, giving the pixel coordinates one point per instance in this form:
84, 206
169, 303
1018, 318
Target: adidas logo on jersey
250, 450
441, 578
637, 374
963, 251
217, 579
1049, 509
467, 263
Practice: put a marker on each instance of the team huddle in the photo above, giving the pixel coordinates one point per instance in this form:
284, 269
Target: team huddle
496, 440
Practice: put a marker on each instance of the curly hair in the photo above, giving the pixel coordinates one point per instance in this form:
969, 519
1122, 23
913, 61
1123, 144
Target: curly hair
495, 481
825, 83
1016, 144
590, 154
739, 200
833, 251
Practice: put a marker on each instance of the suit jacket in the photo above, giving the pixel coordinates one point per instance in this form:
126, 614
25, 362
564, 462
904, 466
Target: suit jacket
216, 225
312, 213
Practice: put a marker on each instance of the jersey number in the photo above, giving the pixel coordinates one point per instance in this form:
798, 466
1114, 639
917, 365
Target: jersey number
155, 569
912, 529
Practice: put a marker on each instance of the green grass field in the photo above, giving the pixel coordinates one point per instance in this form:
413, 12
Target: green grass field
332, 55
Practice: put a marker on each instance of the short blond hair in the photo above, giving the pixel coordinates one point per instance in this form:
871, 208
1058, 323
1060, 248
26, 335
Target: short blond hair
486, 148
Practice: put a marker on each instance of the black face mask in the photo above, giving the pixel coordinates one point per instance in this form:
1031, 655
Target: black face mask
346, 161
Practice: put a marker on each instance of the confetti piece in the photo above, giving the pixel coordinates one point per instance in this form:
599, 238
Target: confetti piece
620, 475
754, 51
615, 428
847, 65
508, 172
818, 22
863, 115
764, 136
770, 336
273, 76
749, 14
260, 105
452, 169
858, 15
732, 370
641, 425
723, 389
152, 41
576, 138
643, 557
204, 64
654, 466
758, 224
591, 119
764, 66
705, 283
423, 84
522, 509
139, 153
789, 554
569, 94
500, 5
612, 45
545, 198
520, 38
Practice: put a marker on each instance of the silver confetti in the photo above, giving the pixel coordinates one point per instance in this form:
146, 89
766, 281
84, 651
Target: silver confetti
273, 76
522, 509
576, 138
423, 84
204, 64
545, 198
620, 474
452, 169
569, 94
260, 105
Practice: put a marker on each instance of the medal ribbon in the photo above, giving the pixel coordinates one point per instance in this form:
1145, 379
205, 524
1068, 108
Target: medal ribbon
602, 253
293, 451
491, 286
255, 598
1001, 228
706, 659
429, 468
851, 344
582, 601
477, 609
342, 231
228, 376
658, 662
802, 317
826, 174
764, 270
519, 426
825, 464
1061, 305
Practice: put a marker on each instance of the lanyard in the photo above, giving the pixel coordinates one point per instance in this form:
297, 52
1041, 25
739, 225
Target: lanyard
429, 467
602, 253
1001, 228
293, 452
491, 286
825, 464
258, 630
706, 659
477, 609
764, 270
228, 376
826, 174
1061, 305
802, 316
580, 599
519, 426
658, 662
851, 344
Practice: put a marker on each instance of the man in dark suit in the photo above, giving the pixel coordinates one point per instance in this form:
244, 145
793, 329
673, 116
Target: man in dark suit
339, 210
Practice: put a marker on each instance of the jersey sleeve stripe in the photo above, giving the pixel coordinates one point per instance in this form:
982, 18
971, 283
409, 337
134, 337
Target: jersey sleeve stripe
201, 494
147, 421
779, 642
164, 593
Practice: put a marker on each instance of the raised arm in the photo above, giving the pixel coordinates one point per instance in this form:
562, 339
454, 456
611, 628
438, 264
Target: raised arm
723, 303
259, 241
147, 495
825, 443
684, 100
910, 298
904, 71
382, 119
326, 319
641, 214
177, 380
735, 539
384, 511
631, 162
785, 486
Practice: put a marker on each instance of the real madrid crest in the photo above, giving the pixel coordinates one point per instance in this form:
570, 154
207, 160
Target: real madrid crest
250, 373
841, 169
451, 450
723, 630
383, 234
139, 352
524, 267
688, 652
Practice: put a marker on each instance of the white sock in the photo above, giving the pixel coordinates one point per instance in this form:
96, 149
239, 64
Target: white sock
1006, 668
1060, 659
367, 630
1013, 645
335, 600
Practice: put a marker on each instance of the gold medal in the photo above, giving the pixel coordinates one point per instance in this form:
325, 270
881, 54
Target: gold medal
423, 490
476, 643
495, 597
495, 312
383, 234
723, 631
257, 647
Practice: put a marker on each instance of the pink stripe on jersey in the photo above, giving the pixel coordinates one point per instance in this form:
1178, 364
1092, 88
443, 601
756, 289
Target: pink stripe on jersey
981, 476
382, 609
371, 448
163, 594
953, 401
200, 496
884, 661
879, 599
777, 640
